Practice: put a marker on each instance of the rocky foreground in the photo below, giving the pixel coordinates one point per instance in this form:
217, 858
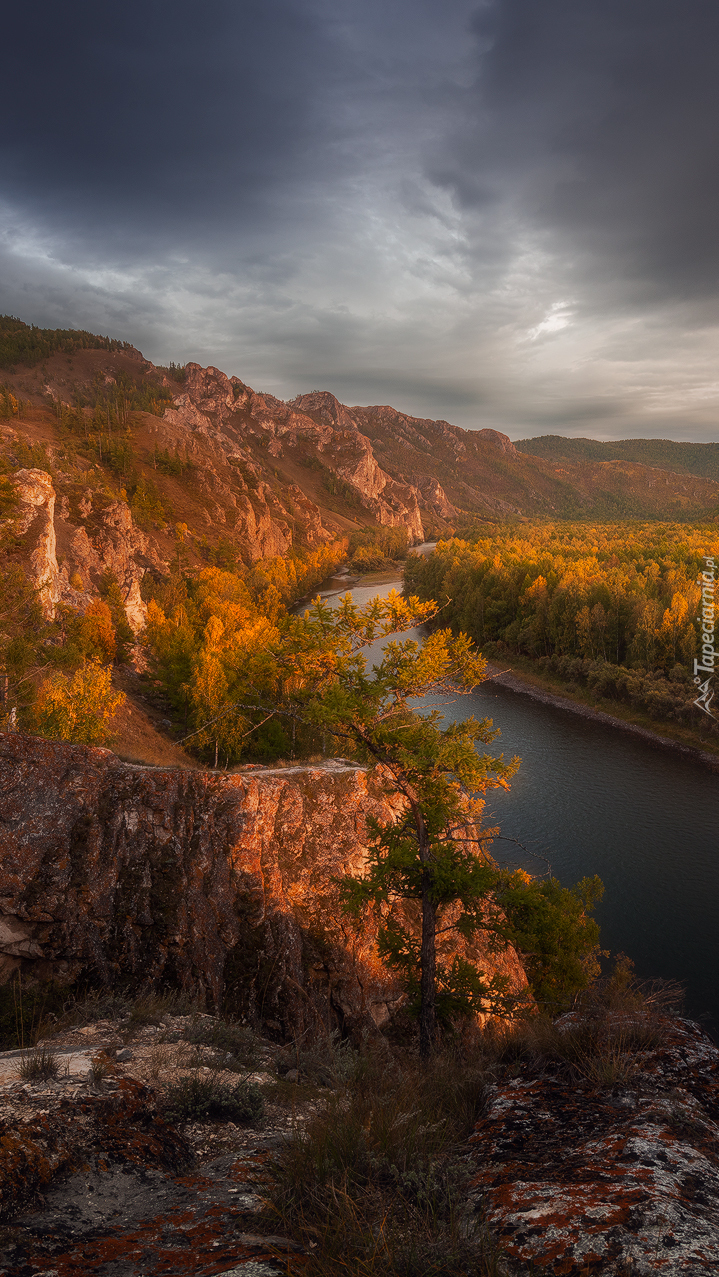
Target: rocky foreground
607, 1165
612, 1168
596, 1149
95, 1178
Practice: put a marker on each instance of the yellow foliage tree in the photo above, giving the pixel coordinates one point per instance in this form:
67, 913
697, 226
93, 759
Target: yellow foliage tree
78, 708
211, 699
674, 622
97, 635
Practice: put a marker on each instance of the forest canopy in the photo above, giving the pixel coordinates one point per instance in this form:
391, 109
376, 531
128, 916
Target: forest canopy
615, 606
27, 345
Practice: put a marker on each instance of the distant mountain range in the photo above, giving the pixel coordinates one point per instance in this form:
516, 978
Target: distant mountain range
683, 458
268, 475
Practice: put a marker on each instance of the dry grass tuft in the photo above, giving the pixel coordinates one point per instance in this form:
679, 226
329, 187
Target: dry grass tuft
39, 1065
375, 1185
617, 1019
153, 1006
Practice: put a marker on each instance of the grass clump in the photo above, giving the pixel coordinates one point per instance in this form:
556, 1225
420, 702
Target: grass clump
150, 1008
228, 1039
200, 1099
102, 1067
375, 1182
616, 1020
329, 1061
39, 1065
96, 1005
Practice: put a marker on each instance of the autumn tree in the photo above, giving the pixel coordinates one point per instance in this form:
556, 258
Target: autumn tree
77, 708
430, 855
96, 632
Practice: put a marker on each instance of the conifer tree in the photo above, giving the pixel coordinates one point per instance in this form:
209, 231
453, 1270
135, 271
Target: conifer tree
429, 855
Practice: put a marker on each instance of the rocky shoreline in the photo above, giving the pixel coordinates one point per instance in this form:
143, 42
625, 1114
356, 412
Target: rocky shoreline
515, 682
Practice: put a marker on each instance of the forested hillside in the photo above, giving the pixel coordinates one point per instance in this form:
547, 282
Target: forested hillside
27, 345
610, 609
682, 458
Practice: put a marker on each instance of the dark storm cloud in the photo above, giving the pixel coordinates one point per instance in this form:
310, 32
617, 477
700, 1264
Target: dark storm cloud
185, 112
500, 213
600, 121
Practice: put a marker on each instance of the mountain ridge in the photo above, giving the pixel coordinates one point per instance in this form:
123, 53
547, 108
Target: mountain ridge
313, 468
680, 457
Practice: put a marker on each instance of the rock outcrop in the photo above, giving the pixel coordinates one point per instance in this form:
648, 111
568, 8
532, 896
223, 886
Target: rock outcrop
610, 1167
435, 498
92, 533
38, 1148
222, 884
36, 523
318, 425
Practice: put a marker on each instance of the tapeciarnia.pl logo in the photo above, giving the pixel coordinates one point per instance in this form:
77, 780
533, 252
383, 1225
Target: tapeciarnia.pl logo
707, 583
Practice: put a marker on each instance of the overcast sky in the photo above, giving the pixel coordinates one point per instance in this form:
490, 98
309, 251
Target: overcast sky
502, 213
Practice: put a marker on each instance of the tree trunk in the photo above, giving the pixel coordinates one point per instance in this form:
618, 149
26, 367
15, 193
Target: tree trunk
428, 978
428, 957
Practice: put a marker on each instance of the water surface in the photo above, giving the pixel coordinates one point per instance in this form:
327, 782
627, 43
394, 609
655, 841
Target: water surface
592, 799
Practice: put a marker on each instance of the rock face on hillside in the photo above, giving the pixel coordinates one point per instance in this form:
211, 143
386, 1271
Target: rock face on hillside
355, 466
222, 884
313, 425
93, 534
36, 501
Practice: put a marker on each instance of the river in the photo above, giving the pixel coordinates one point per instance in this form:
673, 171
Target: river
590, 799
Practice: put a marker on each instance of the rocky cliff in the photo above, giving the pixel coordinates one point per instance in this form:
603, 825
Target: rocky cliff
71, 544
313, 426
222, 884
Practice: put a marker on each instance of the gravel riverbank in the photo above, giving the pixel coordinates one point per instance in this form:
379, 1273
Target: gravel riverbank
514, 681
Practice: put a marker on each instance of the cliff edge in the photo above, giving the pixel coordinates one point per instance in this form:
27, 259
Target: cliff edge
223, 884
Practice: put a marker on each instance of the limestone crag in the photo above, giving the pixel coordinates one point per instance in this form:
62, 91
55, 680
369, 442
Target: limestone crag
499, 441
92, 534
36, 519
434, 498
220, 883
225, 409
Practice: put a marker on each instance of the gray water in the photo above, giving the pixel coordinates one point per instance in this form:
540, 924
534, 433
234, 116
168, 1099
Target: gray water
592, 799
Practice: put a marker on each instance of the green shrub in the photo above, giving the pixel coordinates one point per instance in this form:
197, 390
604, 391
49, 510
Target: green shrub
227, 1038
201, 1099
